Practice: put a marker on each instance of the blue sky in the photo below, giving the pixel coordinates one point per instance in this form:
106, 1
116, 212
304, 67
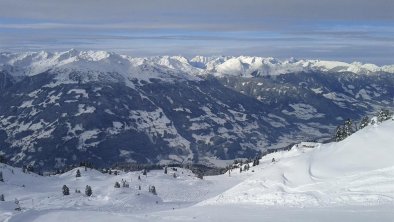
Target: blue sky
347, 30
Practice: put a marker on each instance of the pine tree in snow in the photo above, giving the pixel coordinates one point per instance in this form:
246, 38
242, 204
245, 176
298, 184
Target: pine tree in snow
348, 128
2, 159
383, 115
88, 191
2, 197
66, 190
165, 170
340, 133
256, 161
1, 177
364, 122
78, 174
117, 184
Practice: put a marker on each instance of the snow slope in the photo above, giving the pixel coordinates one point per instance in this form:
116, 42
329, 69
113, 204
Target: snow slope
356, 171
32, 63
352, 180
43, 195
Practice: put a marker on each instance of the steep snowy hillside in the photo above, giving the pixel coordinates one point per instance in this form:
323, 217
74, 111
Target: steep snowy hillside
356, 171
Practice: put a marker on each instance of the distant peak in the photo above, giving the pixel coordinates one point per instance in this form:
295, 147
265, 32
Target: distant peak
245, 66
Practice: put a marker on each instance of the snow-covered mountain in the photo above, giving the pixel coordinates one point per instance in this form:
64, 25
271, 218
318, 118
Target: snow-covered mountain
32, 63
346, 181
62, 108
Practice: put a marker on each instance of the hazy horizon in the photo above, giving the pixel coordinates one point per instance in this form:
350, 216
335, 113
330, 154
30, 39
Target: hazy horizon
347, 30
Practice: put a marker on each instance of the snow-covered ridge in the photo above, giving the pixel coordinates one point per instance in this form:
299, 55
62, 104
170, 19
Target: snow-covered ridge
32, 63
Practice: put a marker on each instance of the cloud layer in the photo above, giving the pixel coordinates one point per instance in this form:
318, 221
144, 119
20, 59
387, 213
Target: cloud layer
336, 29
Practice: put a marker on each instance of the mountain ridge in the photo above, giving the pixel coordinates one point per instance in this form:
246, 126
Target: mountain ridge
32, 63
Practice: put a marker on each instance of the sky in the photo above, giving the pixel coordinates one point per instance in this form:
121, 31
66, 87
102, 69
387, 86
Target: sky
346, 30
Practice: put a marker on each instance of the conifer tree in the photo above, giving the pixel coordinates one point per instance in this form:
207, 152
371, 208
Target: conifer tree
66, 190
339, 133
2, 159
78, 173
348, 128
88, 191
383, 115
165, 170
2, 197
364, 122
1, 176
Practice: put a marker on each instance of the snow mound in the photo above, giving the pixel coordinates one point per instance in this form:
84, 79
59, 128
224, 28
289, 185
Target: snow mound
356, 171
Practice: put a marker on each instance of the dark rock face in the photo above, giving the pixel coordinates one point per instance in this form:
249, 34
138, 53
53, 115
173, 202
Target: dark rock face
52, 123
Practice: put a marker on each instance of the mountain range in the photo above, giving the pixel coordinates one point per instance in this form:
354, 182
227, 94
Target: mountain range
63, 108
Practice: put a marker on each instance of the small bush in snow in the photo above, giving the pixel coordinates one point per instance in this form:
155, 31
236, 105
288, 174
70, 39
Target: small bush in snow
18, 207
117, 184
152, 189
125, 184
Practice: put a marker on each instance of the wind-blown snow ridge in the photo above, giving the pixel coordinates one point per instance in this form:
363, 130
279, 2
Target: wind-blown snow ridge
32, 63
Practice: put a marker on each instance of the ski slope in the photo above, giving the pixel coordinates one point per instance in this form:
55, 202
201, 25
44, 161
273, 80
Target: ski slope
356, 171
352, 180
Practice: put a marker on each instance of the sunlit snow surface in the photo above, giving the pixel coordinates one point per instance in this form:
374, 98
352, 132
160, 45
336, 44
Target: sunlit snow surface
352, 180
